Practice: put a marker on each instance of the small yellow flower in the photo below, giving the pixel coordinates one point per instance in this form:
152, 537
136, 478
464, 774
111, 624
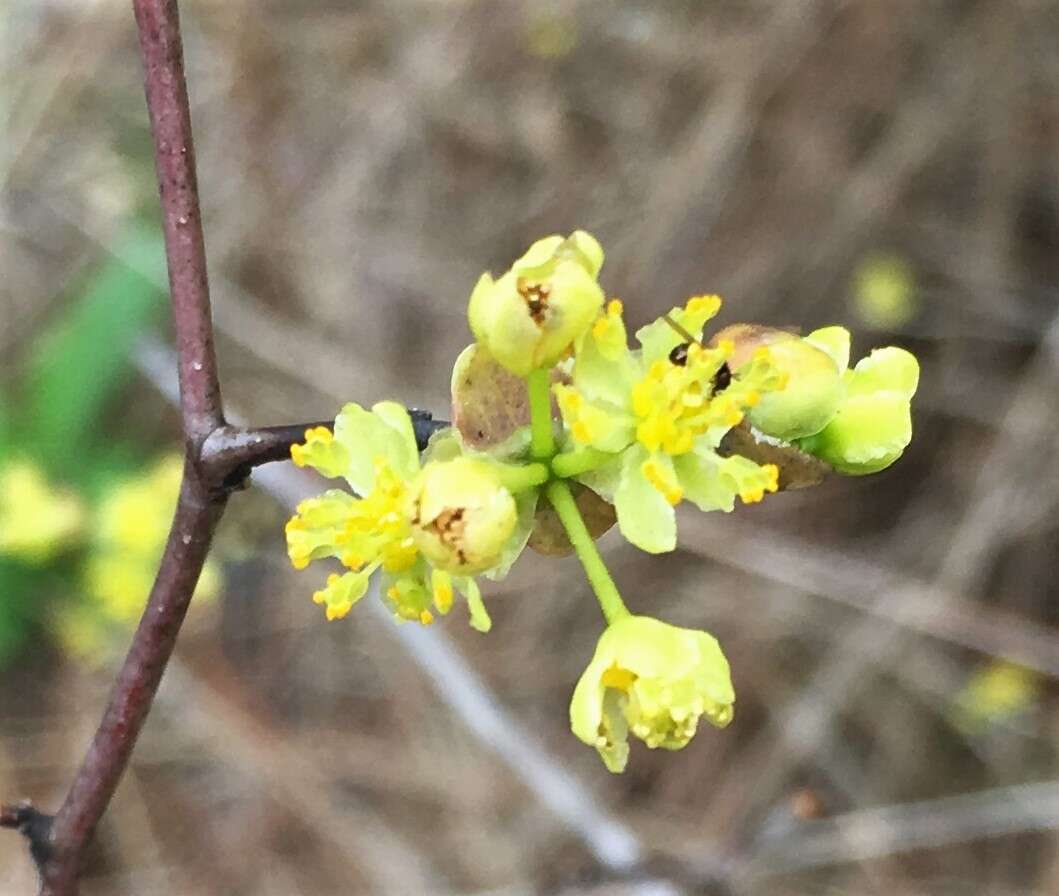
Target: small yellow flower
884, 291
36, 520
427, 530
674, 404
654, 681
662, 412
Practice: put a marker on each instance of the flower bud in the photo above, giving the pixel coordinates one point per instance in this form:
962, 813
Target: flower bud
813, 388
873, 425
461, 515
534, 312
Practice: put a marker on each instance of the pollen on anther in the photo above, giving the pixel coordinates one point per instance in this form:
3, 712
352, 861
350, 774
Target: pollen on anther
709, 304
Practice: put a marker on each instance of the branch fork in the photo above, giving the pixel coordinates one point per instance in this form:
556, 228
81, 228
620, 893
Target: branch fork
218, 458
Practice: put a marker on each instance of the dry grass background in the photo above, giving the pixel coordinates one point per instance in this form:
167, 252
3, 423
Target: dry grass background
360, 164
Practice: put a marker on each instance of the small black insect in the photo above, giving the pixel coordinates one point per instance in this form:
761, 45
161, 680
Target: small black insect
722, 379
679, 355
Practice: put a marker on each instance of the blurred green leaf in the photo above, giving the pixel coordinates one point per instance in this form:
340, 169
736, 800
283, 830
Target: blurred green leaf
81, 362
30, 597
5, 427
105, 464
16, 616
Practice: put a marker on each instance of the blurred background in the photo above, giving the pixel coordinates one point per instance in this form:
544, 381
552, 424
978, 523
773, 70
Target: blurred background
892, 165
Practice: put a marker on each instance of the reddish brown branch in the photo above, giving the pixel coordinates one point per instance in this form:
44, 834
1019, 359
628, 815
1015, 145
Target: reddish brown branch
158, 22
218, 458
198, 511
59, 844
231, 452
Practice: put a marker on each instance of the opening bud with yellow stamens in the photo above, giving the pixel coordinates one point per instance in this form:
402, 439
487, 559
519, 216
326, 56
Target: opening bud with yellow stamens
532, 314
654, 681
461, 515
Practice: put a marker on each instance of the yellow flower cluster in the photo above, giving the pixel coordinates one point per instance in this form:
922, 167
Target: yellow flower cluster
642, 427
129, 530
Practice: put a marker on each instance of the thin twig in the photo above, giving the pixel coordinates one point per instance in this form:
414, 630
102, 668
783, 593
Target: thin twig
202, 495
218, 457
231, 452
33, 825
197, 513
158, 23
889, 830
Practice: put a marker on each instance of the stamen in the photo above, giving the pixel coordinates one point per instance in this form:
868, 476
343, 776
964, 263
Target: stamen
679, 328
536, 297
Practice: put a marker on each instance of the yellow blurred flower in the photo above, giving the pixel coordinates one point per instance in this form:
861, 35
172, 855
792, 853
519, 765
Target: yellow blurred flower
994, 693
884, 292
550, 35
36, 520
129, 533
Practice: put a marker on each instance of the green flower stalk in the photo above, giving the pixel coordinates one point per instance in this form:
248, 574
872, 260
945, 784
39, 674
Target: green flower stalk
606, 591
529, 317
654, 681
